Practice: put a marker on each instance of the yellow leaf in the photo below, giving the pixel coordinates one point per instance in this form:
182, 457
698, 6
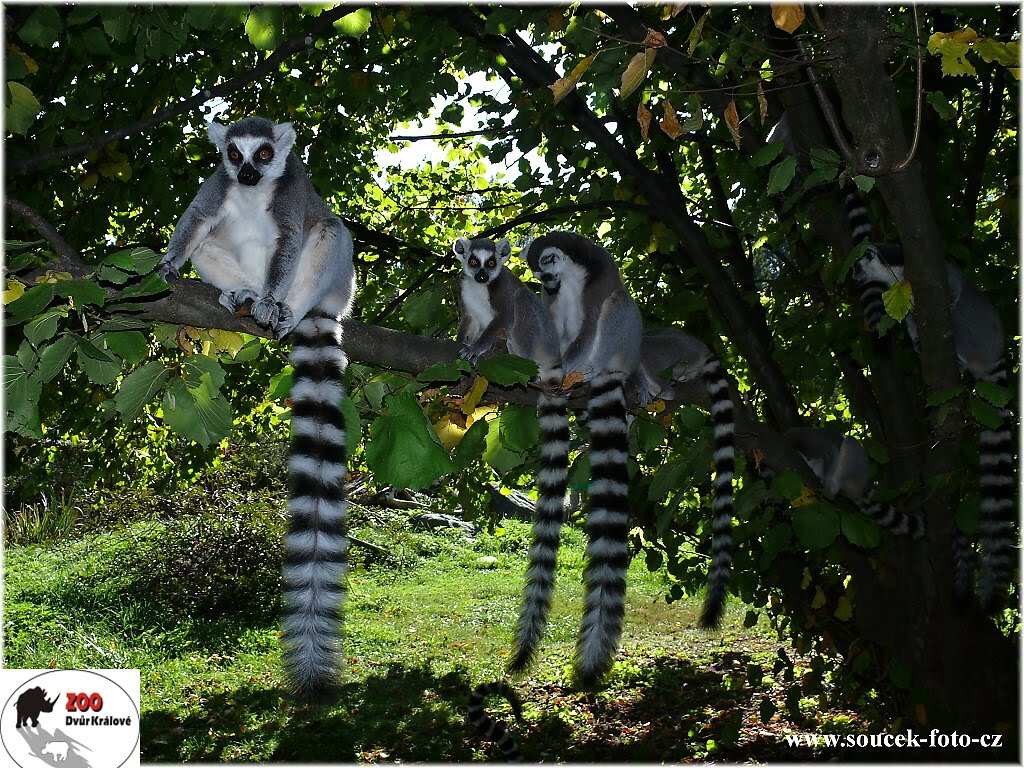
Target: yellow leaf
566, 85
819, 599
655, 39
953, 47
636, 71
807, 579
13, 290
30, 63
448, 433
656, 407
844, 610
644, 117
805, 498
694, 38
762, 102
788, 16
732, 119
670, 123
472, 398
53, 277
224, 341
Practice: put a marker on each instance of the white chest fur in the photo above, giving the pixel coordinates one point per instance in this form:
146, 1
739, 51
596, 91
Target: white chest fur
567, 306
247, 229
476, 303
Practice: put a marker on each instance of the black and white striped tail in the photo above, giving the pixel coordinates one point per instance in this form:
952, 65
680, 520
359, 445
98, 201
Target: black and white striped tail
547, 525
607, 527
316, 547
872, 289
725, 466
887, 516
964, 565
491, 729
998, 504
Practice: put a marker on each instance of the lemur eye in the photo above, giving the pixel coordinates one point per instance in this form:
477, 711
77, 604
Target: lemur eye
491, 262
266, 153
474, 262
234, 155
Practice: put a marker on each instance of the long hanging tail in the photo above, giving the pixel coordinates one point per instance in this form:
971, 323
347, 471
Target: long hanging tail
607, 528
995, 522
871, 290
887, 516
725, 466
491, 729
547, 525
964, 565
316, 548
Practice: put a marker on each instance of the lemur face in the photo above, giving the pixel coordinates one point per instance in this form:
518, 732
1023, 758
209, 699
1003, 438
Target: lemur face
482, 259
871, 268
552, 266
254, 149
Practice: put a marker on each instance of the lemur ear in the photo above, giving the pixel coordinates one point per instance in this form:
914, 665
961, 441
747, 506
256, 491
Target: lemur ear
504, 250
217, 133
284, 136
461, 246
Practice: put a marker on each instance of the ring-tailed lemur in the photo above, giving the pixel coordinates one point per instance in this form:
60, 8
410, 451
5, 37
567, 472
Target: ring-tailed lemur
492, 299
258, 230
599, 329
491, 729
687, 358
843, 468
979, 343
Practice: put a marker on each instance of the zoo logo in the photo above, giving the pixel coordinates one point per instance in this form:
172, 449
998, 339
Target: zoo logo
72, 718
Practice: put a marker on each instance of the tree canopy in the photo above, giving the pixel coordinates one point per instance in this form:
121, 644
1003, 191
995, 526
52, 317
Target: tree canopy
646, 129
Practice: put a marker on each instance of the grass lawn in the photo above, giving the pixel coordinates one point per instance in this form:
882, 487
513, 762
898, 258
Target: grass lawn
428, 616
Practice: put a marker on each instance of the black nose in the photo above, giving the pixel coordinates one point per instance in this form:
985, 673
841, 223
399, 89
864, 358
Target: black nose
248, 175
481, 276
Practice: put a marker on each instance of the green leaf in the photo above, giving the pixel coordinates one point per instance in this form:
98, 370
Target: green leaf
44, 326
649, 434
30, 303
864, 183
859, 531
136, 261
117, 23
138, 388
941, 105
767, 710
281, 383
518, 427
944, 395
198, 367
781, 175
133, 346
102, 372
21, 399
507, 370
21, 112
149, 285
403, 449
197, 412
993, 393
354, 24
789, 484
264, 27
353, 426
41, 28
767, 153
669, 477
636, 71
816, 525
472, 445
898, 300
53, 358
443, 372
82, 292
985, 414
428, 309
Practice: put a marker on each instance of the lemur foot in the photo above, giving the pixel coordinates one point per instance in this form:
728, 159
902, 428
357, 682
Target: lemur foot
473, 352
273, 315
233, 300
166, 270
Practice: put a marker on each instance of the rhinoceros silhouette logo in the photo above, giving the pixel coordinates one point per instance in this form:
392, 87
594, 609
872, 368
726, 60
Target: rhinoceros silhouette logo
30, 704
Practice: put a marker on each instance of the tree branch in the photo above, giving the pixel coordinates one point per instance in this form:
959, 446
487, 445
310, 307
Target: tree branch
300, 42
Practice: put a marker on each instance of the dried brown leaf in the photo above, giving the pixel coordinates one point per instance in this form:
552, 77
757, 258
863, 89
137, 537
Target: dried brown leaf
788, 16
762, 102
566, 85
732, 119
655, 39
670, 123
644, 117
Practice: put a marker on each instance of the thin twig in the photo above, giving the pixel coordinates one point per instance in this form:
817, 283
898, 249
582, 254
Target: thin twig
462, 135
46, 229
826, 106
920, 97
